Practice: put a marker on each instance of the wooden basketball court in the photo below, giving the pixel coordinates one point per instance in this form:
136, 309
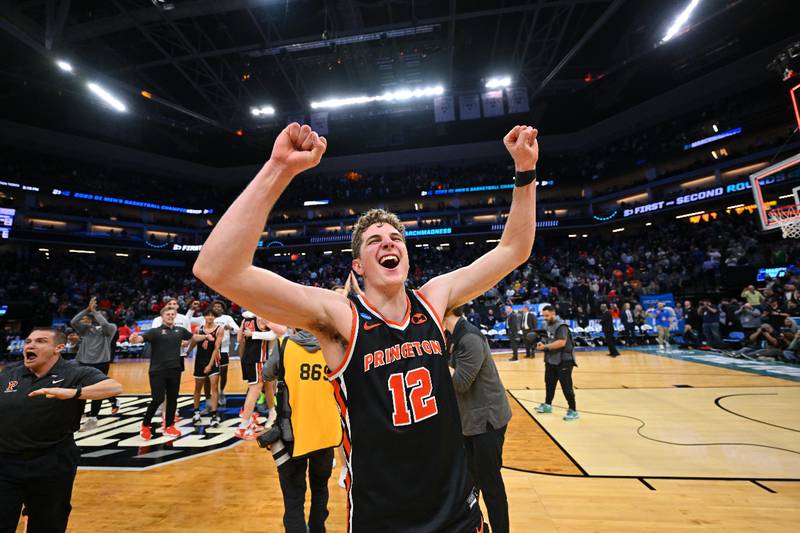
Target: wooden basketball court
663, 444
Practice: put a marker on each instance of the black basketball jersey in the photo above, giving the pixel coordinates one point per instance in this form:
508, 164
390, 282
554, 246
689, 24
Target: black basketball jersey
254, 350
206, 347
406, 461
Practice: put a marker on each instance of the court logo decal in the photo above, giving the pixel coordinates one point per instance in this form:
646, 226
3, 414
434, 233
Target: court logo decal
115, 443
765, 368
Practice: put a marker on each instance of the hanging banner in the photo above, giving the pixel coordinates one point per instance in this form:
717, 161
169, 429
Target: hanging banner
319, 122
517, 100
443, 109
469, 107
492, 103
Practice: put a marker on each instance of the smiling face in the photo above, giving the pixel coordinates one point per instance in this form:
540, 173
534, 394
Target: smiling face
42, 349
383, 258
168, 316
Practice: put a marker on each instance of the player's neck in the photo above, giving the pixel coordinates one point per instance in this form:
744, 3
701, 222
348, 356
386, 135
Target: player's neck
392, 304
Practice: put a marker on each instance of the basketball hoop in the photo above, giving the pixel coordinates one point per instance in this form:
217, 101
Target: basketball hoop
788, 218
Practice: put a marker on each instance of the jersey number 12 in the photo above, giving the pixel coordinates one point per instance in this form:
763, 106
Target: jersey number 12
423, 403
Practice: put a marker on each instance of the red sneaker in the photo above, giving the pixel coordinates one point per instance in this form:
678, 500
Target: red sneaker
164, 421
172, 431
145, 433
247, 433
254, 421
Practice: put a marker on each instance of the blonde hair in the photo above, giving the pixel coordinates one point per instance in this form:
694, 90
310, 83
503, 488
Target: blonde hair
373, 216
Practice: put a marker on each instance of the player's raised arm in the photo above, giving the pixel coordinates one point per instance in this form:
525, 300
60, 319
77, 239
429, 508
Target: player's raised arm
226, 261
460, 286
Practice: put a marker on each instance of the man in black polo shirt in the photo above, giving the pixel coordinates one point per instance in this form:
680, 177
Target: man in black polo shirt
38, 456
166, 365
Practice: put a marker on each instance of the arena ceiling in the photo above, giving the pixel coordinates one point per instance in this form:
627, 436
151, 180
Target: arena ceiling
208, 62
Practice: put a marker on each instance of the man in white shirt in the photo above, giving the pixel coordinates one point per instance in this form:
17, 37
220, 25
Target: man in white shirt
229, 325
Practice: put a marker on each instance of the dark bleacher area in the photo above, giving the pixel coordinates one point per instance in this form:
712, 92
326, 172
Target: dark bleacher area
576, 275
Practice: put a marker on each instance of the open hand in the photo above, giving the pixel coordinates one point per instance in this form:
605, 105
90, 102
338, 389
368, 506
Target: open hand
54, 393
93, 304
298, 148
521, 142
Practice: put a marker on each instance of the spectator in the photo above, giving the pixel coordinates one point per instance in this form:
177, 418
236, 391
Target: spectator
752, 296
749, 318
710, 315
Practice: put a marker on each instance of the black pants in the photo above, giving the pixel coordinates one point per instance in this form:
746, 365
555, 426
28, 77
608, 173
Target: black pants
485, 459
629, 332
292, 475
96, 404
163, 382
43, 483
608, 337
560, 373
513, 340
526, 338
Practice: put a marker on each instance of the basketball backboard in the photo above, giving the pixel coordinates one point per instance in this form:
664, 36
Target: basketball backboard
771, 187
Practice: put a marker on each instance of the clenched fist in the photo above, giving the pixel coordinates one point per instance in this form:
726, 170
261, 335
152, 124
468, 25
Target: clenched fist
298, 148
521, 143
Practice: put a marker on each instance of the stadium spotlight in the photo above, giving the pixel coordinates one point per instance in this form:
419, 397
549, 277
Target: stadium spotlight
63, 65
680, 20
389, 96
107, 97
266, 110
715, 128
498, 82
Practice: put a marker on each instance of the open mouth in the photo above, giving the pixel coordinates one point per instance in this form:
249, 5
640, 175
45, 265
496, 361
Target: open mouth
30, 356
389, 261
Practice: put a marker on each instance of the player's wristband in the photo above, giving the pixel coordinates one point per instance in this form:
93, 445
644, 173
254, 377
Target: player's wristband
524, 178
78, 393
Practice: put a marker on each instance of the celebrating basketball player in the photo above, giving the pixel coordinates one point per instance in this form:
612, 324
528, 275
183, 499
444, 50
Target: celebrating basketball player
206, 364
406, 460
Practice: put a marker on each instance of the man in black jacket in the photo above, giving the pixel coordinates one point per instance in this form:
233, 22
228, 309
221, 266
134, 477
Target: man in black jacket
628, 322
513, 330
484, 410
607, 323
528, 325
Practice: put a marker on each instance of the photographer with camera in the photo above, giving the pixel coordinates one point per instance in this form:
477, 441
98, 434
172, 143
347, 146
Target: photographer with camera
559, 361
305, 432
766, 342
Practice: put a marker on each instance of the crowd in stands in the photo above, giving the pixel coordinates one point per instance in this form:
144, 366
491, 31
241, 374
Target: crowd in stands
576, 275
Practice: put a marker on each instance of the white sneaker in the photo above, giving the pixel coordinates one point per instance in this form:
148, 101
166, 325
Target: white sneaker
196, 418
342, 476
90, 424
222, 400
